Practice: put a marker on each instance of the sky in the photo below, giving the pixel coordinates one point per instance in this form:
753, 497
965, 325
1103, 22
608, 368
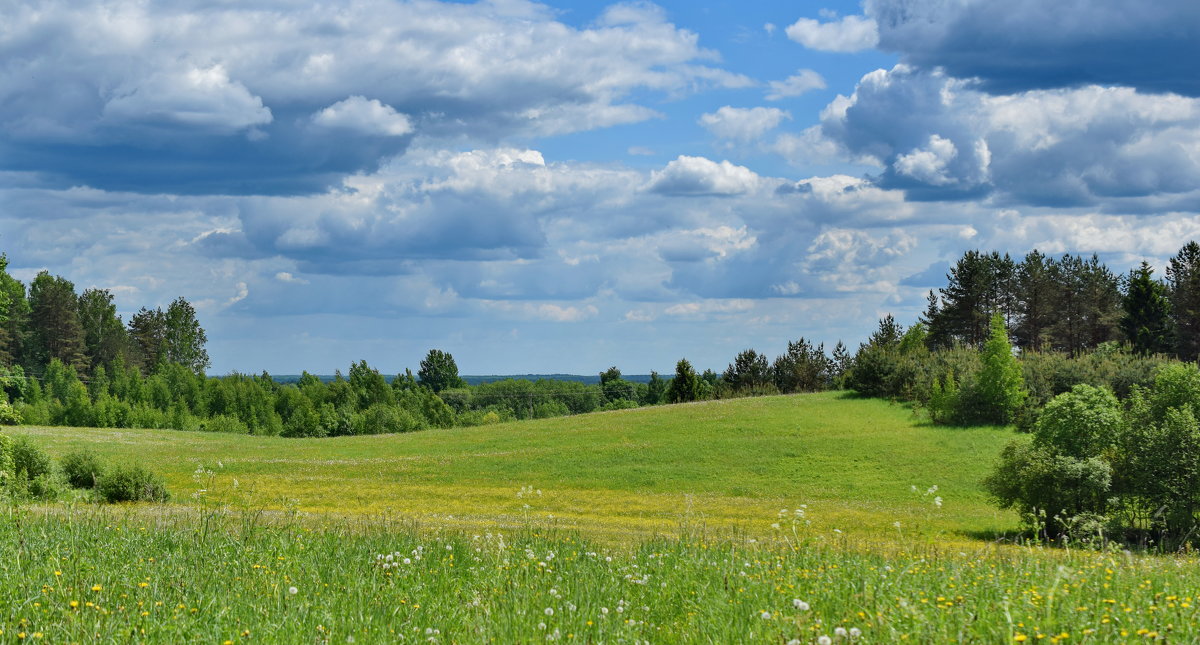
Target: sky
566, 186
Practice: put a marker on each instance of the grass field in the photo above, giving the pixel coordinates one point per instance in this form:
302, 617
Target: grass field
852, 462
652, 525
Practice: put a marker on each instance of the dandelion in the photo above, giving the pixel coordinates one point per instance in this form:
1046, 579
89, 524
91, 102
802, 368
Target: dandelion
855, 632
766, 615
604, 610
406, 561
800, 604
841, 632
824, 640
97, 588
937, 501
549, 611
293, 591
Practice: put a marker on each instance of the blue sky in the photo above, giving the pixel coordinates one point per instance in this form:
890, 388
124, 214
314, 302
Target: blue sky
562, 187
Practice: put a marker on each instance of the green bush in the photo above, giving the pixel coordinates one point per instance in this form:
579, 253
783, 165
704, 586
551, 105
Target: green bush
131, 484
224, 423
30, 459
6, 458
34, 414
384, 419
8, 414
45, 487
82, 468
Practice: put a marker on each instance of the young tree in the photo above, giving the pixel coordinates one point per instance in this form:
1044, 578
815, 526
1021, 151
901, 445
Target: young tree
685, 386
1183, 280
54, 317
439, 371
184, 338
1147, 320
1001, 385
656, 392
804, 368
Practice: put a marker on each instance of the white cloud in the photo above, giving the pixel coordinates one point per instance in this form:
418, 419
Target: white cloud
805, 80
366, 116
742, 124
850, 34
203, 99
928, 164
700, 176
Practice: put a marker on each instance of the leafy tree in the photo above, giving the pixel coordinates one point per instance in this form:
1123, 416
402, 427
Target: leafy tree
978, 285
656, 391
148, 330
1147, 320
104, 334
616, 388
439, 371
14, 316
369, 386
1183, 280
685, 386
54, 316
184, 338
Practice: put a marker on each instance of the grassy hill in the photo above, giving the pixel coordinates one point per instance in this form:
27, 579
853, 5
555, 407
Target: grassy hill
852, 462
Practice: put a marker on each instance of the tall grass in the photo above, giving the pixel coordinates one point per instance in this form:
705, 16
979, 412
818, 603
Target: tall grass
94, 575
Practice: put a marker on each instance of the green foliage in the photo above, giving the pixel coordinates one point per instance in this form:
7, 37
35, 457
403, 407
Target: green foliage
225, 423
748, 373
804, 368
384, 419
7, 466
685, 386
439, 371
9, 415
1001, 387
1146, 322
1049, 489
82, 468
29, 459
132, 483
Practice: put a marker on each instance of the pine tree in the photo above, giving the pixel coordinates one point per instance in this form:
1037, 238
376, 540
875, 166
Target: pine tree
1147, 320
54, 318
1183, 280
1037, 290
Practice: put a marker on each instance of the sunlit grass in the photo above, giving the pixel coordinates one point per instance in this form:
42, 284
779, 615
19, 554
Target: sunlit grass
728, 464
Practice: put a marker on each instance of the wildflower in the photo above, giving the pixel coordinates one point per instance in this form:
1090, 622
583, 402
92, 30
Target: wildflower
824, 640
841, 632
766, 615
1020, 638
293, 591
800, 604
604, 610
855, 632
937, 501
407, 561
97, 588
549, 611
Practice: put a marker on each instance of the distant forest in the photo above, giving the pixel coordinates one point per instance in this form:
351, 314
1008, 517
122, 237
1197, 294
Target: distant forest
67, 358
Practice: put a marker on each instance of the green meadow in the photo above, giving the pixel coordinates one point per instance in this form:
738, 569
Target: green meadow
768, 520
726, 464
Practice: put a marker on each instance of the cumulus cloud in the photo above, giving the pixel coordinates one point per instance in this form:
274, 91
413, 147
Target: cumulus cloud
1031, 44
850, 34
940, 137
94, 81
362, 115
700, 176
742, 124
805, 80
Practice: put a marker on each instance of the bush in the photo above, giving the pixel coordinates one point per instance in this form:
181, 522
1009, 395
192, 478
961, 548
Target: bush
224, 423
383, 419
132, 484
45, 487
34, 414
6, 458
8, 414
30, 459
82, 468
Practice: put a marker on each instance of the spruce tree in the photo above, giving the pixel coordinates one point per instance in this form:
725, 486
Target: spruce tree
1146, 323
1183, 280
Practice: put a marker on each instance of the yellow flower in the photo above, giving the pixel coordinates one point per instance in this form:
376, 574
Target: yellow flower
74, 604
97, 588
143, 584
1021, 638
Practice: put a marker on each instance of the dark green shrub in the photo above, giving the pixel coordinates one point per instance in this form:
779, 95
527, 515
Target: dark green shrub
383, 419
6, 458
224, 423
45, 487
34, 414
30, 459
131, 484
82, 468
8, 414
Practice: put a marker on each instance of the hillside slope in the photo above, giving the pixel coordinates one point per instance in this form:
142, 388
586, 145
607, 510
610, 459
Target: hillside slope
737, 463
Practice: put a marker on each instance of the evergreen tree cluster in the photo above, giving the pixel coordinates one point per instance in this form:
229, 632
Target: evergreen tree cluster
49, 322
1070, 304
